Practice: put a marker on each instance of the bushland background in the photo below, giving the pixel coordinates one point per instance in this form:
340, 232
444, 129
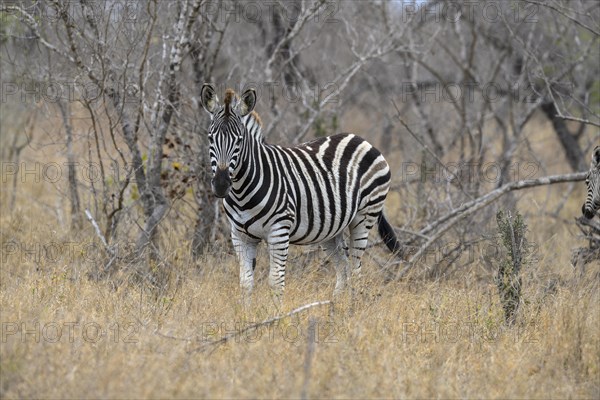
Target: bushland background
117, 276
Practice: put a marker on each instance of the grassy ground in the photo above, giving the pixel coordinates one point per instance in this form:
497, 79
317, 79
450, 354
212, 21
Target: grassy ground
67, 336
409, 339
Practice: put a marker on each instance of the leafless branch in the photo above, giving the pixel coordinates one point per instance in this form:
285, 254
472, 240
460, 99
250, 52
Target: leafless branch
449, 220
583, 121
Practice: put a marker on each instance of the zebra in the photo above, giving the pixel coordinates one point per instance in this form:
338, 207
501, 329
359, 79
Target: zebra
592, 180
306, 194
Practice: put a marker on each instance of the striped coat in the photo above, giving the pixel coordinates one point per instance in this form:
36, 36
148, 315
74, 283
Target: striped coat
592, 200
307, 194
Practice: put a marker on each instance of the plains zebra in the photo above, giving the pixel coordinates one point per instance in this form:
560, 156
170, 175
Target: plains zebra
305, 194
592, 201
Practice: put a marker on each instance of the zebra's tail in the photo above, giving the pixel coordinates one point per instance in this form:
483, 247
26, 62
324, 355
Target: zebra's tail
388, 235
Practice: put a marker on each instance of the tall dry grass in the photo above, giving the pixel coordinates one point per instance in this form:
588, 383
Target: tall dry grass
411, 339
65, 335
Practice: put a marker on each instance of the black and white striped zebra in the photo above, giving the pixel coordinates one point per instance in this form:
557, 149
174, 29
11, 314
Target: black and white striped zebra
302, 195
592, 201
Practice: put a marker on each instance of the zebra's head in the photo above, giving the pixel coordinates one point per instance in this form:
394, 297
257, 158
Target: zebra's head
226, 133
592, 201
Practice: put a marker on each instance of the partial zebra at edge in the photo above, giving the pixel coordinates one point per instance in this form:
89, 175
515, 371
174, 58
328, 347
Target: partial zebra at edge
592, 200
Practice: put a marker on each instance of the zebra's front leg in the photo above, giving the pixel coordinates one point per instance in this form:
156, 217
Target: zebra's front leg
279, 244
246, 255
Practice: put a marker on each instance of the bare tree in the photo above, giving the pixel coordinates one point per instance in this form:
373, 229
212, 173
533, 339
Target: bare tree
444, 87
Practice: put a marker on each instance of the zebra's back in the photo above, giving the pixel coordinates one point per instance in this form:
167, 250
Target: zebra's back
323, 184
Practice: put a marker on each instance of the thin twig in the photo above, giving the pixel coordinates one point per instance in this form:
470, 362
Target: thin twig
583, 121
249, 328
90, 218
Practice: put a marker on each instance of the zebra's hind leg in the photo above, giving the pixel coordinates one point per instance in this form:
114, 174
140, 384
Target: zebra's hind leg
246, 255
336, 250
359, 237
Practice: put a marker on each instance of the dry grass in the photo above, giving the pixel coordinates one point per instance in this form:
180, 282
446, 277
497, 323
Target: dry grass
411, 339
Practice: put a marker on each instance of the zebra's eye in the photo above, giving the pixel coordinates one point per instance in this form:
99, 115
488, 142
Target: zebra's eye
211, 138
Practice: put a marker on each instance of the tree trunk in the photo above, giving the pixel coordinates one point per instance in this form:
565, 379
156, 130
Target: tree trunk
569, 143
73, 193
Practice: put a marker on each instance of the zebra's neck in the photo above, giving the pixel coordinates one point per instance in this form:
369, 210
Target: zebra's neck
252, 145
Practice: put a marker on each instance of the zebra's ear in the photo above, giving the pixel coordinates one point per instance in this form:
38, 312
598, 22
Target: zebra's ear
208, 98
248, 101
596, 156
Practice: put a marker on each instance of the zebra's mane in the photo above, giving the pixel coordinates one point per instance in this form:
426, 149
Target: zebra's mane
252, 121
254, 126
230, 95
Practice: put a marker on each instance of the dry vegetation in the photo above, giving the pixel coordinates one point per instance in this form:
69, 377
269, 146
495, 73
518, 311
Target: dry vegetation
139, 316
415, 338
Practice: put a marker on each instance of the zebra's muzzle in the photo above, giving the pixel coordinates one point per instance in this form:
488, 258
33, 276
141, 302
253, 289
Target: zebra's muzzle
221, 182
